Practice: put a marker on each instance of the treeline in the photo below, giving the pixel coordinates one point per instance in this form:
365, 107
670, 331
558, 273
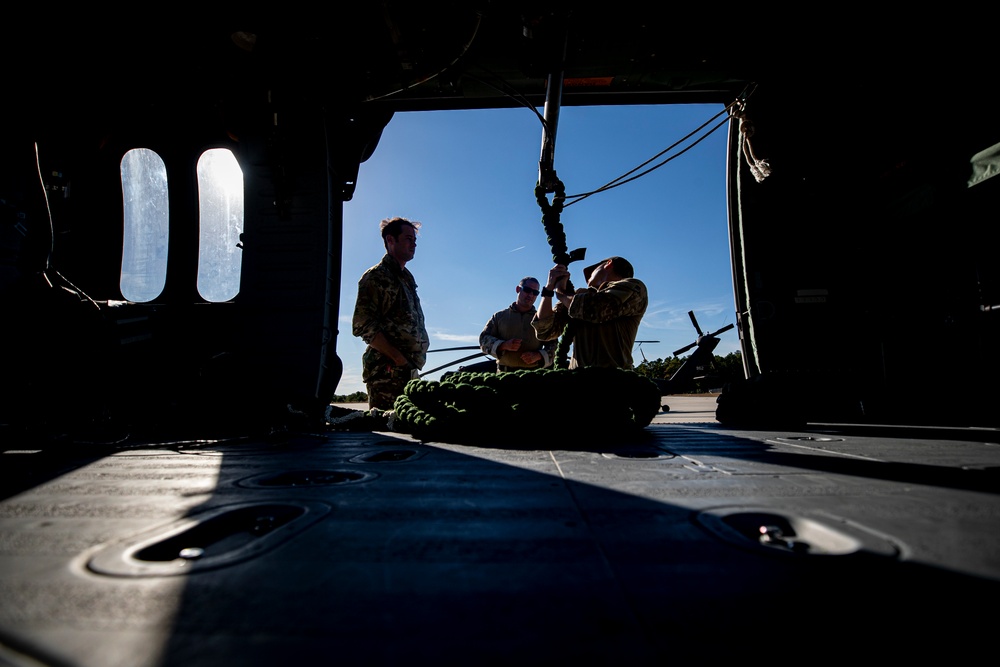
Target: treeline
356, 397
723, 369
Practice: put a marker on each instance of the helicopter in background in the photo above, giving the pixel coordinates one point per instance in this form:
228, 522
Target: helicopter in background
692, 373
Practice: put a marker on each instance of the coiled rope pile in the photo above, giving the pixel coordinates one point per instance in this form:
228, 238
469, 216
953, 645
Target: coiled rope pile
546, 405
528, 406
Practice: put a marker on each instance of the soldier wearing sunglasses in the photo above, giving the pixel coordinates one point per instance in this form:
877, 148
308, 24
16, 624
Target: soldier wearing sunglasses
509, 337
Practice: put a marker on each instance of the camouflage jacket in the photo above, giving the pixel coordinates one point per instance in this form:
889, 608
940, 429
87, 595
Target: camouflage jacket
512, 323
387, 302
605, 323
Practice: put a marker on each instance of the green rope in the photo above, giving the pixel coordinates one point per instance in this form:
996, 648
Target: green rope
556, 237
554, 232
561, 359
529, 407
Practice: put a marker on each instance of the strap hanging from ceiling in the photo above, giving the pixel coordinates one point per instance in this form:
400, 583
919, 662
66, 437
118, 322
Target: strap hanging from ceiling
759, 167
548, 181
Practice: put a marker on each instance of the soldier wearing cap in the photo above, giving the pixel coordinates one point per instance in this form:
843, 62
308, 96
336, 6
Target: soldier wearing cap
604, 316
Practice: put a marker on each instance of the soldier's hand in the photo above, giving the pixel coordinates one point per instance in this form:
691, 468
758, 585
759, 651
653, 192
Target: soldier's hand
558, 275
513, 345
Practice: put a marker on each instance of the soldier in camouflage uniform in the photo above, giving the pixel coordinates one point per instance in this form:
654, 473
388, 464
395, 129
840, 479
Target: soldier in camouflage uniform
388, 316
604, 316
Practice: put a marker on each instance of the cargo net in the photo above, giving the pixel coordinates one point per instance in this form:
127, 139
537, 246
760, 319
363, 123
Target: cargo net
528, 407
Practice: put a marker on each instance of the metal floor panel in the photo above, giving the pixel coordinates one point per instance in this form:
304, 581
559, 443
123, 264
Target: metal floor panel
373, 548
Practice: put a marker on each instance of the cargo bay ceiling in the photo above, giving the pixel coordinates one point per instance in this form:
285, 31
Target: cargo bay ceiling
409, 55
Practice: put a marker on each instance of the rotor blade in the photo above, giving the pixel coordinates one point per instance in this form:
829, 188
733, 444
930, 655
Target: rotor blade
694, 322
681, 351
449, 349
722, 330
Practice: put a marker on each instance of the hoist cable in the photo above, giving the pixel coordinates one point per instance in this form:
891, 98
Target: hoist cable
623, 179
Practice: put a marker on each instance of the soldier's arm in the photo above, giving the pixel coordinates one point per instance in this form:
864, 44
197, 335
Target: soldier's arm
488, 340
601, 305
548, 352
551, 327
368, 320
367, 311
382, 344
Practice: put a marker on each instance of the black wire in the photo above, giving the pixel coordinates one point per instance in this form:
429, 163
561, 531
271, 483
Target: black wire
507, 90
465, 49
48, 208
619, 180
512, 93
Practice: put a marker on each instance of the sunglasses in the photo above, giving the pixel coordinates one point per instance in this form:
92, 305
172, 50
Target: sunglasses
530, 291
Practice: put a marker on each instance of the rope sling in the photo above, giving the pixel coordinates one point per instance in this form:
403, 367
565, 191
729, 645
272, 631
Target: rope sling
478, 407
464, 406
556, 236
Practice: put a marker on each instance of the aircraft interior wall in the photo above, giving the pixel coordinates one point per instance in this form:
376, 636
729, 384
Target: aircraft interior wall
81, 357
868, 273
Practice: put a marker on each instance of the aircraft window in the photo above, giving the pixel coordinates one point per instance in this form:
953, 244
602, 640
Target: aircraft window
144, 246
220, 196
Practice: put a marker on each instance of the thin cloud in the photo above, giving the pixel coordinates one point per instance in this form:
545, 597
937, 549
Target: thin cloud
472, 339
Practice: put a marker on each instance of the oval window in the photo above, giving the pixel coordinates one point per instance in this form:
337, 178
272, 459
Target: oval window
220, 201
146, 215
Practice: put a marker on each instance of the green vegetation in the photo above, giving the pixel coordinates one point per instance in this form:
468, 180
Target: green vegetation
723, 369
356, 397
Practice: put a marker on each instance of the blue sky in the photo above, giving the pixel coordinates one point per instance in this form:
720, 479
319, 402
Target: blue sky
469, 177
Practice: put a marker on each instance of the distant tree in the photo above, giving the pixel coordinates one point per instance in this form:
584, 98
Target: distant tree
659, 368
723, 370
356, 397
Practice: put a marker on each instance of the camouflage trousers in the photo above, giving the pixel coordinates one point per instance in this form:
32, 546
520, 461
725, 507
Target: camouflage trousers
385, 385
